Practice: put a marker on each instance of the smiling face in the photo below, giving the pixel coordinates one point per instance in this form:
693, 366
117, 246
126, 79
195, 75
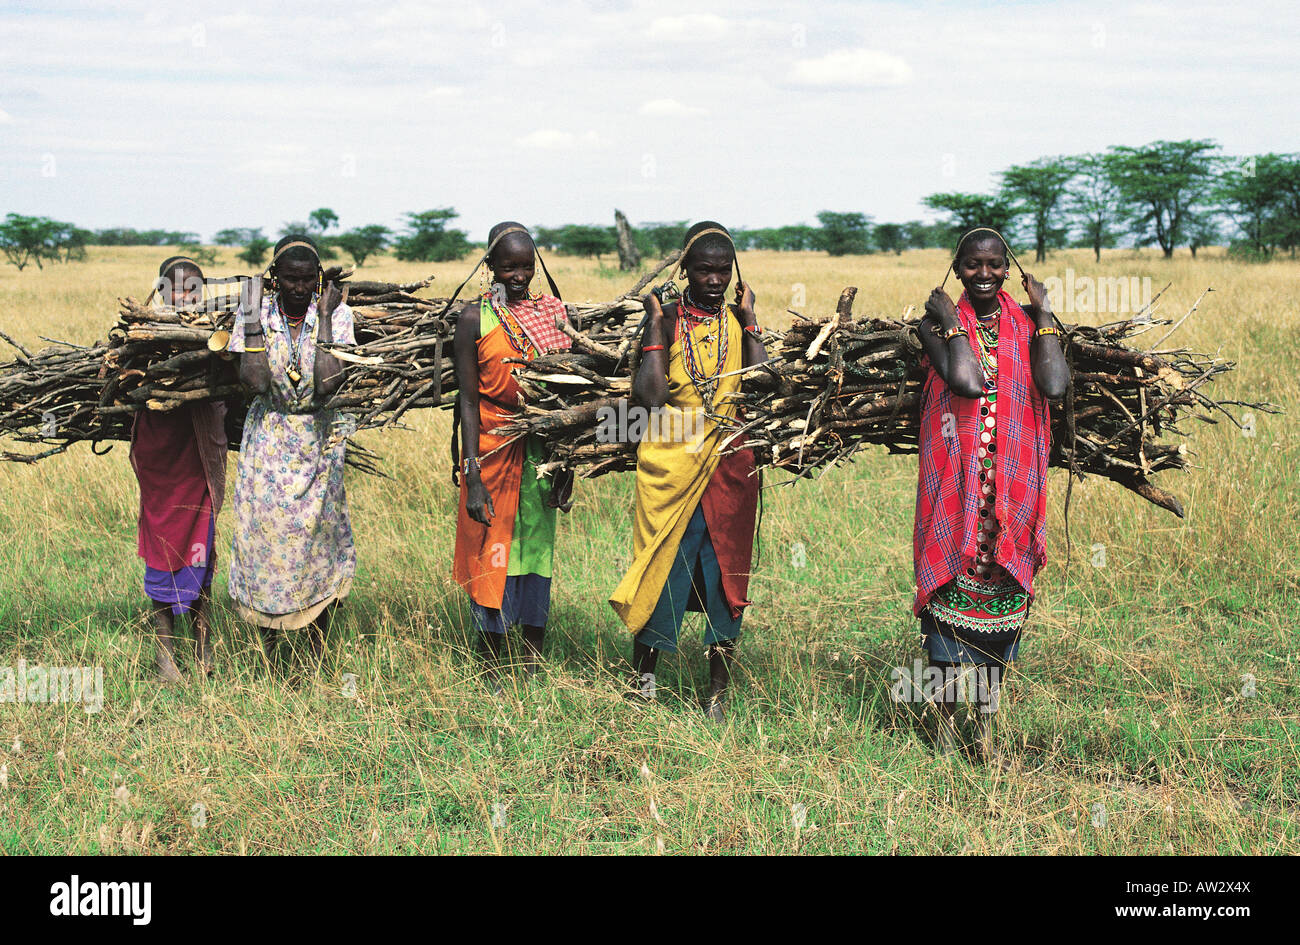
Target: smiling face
708, 273
297, 279
982, 268
514, 265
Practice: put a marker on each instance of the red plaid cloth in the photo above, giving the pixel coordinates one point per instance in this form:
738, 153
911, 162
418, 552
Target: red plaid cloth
537, 315
944, 541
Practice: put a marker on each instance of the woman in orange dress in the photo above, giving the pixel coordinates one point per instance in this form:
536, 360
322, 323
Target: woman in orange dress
505, 526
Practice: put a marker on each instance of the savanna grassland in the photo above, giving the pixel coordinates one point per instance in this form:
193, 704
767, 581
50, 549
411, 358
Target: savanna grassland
1154, 708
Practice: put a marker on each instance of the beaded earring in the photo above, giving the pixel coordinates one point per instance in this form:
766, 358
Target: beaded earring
320, 282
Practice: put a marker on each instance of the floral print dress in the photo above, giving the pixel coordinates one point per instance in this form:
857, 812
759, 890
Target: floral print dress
293, 553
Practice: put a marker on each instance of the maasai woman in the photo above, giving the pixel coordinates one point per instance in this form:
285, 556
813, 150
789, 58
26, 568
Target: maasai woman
695, 508
981, 505
292, 557
179, 458
505, 527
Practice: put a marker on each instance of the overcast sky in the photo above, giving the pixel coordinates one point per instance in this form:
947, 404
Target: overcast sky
204, 116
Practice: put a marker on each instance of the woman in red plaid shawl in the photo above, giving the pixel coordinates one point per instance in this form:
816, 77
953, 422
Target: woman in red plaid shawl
505, 528
981, 504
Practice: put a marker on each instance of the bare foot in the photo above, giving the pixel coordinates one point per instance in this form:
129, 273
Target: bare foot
642, 691
947, 737
203, 658
168, 672
532, 660
713, 708
988, 748
532, 663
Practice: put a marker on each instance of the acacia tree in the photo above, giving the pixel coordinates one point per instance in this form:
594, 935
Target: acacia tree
235, 236
1202, 229
844, 233
1164, 181
1092, 203
967, 211
1284, 221
322, 220
1255, 192
890, 237
582, 239
255, 249
1036, 190
25, 240
363, 242
918, 235
427, 238
663, 237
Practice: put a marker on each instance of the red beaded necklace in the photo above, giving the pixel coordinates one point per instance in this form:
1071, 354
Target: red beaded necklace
685, 315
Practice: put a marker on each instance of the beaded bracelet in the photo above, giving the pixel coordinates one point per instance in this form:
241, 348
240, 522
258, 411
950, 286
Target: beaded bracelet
954, 332
1049, 330
253, 350
754, 329
649, 348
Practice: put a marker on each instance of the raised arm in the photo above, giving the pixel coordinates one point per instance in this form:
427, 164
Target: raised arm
328, 376
1046, 359
254, 369
753, 351
949, 351
651, 384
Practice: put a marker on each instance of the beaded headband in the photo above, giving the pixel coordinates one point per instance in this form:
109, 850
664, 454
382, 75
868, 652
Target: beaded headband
168, 265
174, 261
972, 232
484, 258
721, 232
288, 246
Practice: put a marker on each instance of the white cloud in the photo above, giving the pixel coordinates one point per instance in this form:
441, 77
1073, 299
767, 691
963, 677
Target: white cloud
6, 118
552, 139
445, 91
270, 167
700, 27
670, 108
859, 68
236, 22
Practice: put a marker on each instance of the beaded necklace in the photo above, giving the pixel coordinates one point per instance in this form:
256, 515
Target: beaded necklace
986, 337
515, 333
295, 346
697, 375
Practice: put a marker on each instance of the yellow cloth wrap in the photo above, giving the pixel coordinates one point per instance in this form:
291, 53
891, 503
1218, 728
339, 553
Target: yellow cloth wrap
673, 470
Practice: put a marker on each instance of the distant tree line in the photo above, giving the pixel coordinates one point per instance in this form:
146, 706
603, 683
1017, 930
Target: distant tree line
26, 240
1167, 194
427, 238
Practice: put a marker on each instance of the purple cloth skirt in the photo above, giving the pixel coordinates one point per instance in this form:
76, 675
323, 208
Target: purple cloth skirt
182, 588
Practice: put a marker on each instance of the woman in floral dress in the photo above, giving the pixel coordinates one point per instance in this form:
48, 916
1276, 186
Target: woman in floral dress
293, 556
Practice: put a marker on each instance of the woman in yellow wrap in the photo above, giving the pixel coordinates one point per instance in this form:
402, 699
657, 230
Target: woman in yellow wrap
695, 507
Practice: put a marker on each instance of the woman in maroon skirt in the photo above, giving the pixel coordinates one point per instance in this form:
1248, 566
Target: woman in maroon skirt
179, 458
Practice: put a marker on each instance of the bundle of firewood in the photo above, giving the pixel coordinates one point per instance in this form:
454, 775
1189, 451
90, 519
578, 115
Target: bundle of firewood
831, 386
161, 358
835, 385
